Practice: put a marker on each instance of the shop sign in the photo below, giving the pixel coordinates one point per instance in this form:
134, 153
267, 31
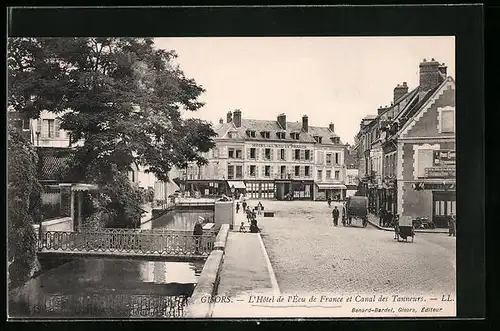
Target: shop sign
440, 172
444, 157
439, 186
294, 146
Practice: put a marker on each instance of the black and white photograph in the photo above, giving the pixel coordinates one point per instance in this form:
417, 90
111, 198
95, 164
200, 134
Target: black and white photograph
231, 177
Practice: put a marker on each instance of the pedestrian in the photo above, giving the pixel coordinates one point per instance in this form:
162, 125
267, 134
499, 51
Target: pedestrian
396, 226
237, 207
259, 208
388, 218
244, 204
197, 233
242, 227
381, 216
452, 225
335, 214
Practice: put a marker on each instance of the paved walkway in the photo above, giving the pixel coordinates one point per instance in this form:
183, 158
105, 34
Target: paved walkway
245, 271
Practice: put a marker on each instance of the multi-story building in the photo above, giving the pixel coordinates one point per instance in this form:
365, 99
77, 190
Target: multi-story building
414, 176
271, 159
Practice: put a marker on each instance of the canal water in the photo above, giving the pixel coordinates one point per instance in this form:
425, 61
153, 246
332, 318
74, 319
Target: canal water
113, 288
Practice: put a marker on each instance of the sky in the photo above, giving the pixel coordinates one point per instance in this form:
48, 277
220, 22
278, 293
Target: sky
336, 80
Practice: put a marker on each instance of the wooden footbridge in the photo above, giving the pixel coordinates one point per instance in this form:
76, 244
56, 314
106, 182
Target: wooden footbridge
156, 244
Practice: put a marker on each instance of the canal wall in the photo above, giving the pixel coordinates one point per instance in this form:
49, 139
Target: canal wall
200, 303
224, 213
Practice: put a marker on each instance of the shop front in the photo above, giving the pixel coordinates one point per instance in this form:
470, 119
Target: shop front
329, 190
205, 188
260, 189
294, 189
236, 188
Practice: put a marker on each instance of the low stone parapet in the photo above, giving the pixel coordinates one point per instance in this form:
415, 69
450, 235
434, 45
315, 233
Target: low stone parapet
220, 240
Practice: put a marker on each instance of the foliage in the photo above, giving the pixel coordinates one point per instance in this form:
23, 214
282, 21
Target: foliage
122, 96
23, 189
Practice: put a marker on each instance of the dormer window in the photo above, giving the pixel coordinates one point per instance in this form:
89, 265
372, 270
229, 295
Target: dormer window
265, 134
335, 140
318, 139
251, 133
232, 134
280, 135
294, 135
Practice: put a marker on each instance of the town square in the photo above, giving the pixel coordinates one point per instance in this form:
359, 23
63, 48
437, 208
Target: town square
216, 177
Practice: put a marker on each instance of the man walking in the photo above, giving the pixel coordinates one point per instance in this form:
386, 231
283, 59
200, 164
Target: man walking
335, 214
381, 216
452, 225
329, 200
197, 233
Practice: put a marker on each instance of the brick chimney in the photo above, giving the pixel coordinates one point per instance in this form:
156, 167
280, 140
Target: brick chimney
221, 121
229, 117
331, 126
305, 123
399, 91
430, 76
237, 118
282, 120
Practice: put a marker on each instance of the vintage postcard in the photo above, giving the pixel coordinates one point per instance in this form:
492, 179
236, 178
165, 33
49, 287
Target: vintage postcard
233, 177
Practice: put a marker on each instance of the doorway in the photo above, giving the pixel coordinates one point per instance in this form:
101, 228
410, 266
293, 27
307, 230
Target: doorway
444, 204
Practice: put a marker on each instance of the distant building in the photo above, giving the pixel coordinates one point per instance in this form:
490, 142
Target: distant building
271, 159
406, 153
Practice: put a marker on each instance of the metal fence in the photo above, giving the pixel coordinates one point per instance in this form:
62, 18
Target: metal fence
131, 241
101, 305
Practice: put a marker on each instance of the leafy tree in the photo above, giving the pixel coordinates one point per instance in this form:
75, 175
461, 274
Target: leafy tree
23, 190
123, 96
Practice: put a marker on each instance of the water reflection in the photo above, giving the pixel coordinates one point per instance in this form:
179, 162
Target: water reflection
98, 287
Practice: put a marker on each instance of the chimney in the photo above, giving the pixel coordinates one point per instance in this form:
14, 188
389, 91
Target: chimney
282, 120
237, 118
221, 121
430, 76
305, 123
399, 91
331, 127
229, 117
381, 109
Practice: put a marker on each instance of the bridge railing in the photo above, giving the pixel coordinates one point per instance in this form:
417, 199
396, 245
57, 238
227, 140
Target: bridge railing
102, 305
150, 242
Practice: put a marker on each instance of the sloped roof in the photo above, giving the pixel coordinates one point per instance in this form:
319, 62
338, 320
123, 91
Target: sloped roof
349, 159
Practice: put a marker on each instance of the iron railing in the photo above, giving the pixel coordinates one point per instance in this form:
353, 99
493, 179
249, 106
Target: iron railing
101, 305
128, 241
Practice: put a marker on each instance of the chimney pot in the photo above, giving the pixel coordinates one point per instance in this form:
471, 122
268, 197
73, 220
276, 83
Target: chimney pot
229, 117
331, 126
221, 121
430, 75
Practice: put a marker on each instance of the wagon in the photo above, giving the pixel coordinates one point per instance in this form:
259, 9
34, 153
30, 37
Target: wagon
356, 207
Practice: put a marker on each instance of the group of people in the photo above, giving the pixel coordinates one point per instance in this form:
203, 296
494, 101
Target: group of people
250, 214
387, 218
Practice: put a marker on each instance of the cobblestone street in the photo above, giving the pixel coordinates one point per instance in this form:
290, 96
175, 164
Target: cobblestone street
309, 254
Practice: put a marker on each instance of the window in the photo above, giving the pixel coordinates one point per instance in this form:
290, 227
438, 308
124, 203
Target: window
265, 134
267, 153
239, 172
295, 135
230, 172
282, 154
425, 157
335, 140
267, 171
328, 174
447, 119
320, 175
281, 135
297, 171
26, 124
238, 153
337, 174
320, 140
231, 153
328, 159
283, 171
307, 171
253, 171
307, 154
50, 128
297, 154
336, 158
251, 133
252, 153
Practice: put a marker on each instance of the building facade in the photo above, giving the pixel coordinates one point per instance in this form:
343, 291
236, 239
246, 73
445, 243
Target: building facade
271, 160
411, 150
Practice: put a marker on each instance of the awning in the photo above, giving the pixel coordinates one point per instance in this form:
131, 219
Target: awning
84, 187
328, 186
237, 184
